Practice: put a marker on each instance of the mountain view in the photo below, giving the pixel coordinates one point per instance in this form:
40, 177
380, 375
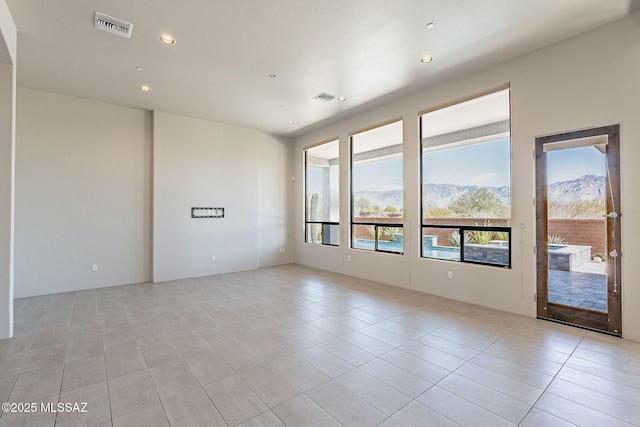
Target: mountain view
442, 195
587, 187
583, 189
437, 195
581, 198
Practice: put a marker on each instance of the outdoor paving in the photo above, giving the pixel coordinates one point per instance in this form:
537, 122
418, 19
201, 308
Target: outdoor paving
578, 289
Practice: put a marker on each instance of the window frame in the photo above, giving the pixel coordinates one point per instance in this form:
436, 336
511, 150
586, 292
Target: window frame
307, 221
376, 225
464, 228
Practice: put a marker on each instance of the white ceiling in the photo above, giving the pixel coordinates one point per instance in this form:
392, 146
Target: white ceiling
366, 50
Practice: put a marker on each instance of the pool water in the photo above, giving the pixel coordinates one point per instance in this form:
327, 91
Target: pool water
556, 247
370, 245
440, 252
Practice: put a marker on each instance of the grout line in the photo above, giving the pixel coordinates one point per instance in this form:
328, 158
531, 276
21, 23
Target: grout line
278, 288
550, 382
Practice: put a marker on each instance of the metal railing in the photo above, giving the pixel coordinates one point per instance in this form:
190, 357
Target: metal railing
495, 252
325, 238
376, 235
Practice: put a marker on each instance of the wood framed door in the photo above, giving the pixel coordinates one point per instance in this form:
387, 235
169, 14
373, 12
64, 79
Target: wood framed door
578, 234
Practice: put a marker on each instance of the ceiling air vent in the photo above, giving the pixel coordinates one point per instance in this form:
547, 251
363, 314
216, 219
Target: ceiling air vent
325, 97
113, 25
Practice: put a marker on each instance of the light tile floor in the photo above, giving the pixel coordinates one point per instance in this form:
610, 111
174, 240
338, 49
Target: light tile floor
297, 346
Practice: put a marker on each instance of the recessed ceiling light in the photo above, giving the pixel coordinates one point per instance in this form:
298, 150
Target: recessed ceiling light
282, 106
430, 25
290, 122
273, 76
342, 98
145, 88
426, 59
167, 39
139, 68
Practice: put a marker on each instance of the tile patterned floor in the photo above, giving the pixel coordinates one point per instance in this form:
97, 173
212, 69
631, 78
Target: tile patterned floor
578, 289
296, 346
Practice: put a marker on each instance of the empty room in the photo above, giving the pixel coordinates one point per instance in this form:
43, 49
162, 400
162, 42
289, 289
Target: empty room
319, 213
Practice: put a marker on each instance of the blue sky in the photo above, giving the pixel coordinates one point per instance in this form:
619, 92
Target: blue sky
572, 163
482, 164
381, 175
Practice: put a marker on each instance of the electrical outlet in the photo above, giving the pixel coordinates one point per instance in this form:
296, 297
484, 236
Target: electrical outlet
213, 257
348, 257
450, 274
284, 250
94, 267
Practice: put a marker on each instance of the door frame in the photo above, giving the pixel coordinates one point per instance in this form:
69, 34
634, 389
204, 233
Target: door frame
610, 322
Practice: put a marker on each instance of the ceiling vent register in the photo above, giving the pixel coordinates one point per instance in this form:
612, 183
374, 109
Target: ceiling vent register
113, 25
324, 97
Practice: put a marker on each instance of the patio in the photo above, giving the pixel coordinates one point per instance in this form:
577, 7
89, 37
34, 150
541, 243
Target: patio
586, 288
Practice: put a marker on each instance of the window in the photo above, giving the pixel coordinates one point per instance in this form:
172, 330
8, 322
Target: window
322, 194
466, 181
377, 189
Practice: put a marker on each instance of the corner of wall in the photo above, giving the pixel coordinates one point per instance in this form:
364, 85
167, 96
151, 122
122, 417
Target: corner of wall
8, 44
276, 194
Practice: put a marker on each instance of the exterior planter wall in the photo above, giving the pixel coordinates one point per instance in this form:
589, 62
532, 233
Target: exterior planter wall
569, 258
585, 232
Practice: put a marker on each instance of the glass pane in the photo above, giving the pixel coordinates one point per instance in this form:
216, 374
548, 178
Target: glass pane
468, 182
377, 186
363, 237
466, 162
314, 233
466, 177
322, 183
377, 176
577, 241
441, 243
390, 239
487, 247
330, 234
326, 234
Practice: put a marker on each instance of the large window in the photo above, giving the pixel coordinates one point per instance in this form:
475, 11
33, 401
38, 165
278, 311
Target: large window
377, 189
466, 181
322, 194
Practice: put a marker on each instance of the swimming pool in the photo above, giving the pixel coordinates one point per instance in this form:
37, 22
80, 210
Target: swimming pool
493, 254
428, 251
383, 245
441, 252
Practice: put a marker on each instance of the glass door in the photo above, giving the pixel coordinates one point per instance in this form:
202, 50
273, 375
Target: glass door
578, 228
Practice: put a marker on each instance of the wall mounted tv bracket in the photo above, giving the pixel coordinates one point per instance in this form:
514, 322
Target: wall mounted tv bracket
207, 212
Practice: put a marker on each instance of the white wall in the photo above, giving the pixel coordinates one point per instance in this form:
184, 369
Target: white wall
113, 186
8, 36
586, 81
275, 195
83, 179
199, 163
